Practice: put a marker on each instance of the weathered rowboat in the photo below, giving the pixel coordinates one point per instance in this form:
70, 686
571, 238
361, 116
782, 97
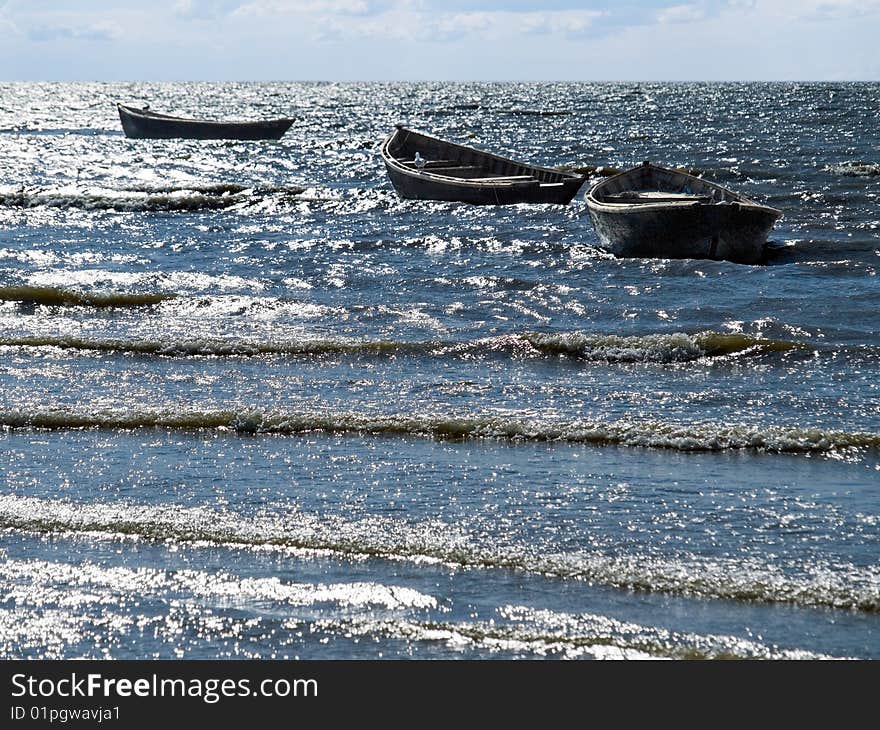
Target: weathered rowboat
427, 168
655, 212
145, 124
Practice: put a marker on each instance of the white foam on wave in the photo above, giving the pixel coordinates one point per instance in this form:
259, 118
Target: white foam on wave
63, 611
524, 631
855, 169
807, 582
89, 582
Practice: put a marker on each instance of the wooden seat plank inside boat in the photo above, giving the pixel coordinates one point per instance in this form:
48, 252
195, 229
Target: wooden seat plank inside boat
656, 196
504, 178
429, 163
453, 169
475, 173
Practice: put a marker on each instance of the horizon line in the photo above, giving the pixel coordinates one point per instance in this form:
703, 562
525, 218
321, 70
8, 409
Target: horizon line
439, 81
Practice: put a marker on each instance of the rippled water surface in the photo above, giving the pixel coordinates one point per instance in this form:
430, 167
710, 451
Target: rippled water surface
253, 404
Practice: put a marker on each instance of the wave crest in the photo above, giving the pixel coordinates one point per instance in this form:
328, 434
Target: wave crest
54, 296
660, 348
836, 586
652, 434
142, 199
855, 169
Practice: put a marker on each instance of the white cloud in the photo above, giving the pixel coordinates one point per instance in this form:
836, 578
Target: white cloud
681, 14
203, 9
266, 8
413, 39
811, 10
102, 31
410, 22
8, 28
451, 27
328, 29
571, 23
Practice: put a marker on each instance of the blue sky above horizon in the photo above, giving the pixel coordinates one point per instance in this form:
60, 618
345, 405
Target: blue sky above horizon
526, 40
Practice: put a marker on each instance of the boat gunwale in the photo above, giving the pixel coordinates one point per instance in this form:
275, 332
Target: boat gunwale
647, 206
151, 115
393, 161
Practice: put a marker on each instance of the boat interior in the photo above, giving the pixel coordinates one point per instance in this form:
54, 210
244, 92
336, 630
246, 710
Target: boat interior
650, 184
147, 112
420, 152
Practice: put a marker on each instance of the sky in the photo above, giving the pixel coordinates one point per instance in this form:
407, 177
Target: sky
430, 40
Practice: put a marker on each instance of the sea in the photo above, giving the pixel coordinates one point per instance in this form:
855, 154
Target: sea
253, 404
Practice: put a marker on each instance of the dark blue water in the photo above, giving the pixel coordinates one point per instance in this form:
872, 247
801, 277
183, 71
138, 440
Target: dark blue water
253, 404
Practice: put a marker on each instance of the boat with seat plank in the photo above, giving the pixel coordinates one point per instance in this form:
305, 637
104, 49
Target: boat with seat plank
423, 167
656, 212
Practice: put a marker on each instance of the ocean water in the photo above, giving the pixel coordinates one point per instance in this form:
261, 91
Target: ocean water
253, 404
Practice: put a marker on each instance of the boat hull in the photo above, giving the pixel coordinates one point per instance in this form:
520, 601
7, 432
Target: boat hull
658, 212
415, 187
138, 125
472, 176
730, 232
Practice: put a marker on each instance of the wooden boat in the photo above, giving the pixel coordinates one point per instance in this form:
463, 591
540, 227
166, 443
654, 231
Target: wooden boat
427, 168
145, 124
655, 212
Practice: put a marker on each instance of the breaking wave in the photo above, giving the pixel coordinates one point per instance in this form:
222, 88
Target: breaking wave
676, 347
855, 169
811, 583
59, 609
650, 434
53, 296
660, 348
214, 347
158, 199
545, 633
217, 584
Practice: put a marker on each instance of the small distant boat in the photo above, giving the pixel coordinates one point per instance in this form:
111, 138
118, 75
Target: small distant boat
655, 212
427, 168
145, 124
